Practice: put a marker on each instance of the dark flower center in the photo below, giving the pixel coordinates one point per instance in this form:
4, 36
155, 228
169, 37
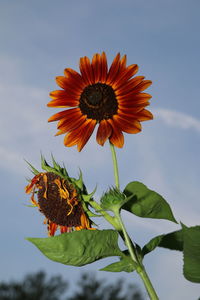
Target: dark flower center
54, 205
98, 102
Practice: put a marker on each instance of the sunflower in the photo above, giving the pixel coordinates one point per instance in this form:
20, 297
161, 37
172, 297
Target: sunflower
59, 201
112, 98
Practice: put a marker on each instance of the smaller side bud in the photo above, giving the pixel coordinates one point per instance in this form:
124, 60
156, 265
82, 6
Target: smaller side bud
113, 199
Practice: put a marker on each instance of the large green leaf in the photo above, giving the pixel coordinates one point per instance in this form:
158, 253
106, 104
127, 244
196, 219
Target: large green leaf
126, 264
146, 203
172, 241
152, 244
79, 248
191, 253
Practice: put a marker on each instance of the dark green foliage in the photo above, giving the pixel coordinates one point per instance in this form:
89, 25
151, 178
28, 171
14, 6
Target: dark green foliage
34, 287
89, 288
38, 287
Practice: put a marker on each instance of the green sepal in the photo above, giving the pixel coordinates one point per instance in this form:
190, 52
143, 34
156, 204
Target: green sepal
33, 170
56, 169
146, 203
88, 197
29, 205
126, 264
79, 248
79, 182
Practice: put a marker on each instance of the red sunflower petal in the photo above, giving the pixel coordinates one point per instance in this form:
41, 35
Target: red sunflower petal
104, 132
65, 84
63, 103
144, 115
123, 63
86, 70
129, 85
96, 67
70, 115
74, 77
117, 137
134, 98
104, 67
58, 116
86, 134
127, 125
52, 227
80, 135
70, 125
143, 86
125, 76
114, 68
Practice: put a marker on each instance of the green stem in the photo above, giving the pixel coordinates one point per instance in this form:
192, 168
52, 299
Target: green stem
108, 217
128, 242
133, 253
148, 285
121, 228
115, 165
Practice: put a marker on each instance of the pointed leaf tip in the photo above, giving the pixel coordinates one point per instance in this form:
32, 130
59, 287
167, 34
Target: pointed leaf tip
146, 203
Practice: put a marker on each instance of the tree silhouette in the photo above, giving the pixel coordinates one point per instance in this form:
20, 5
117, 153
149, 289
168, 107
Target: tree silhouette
34, 287
38, 287
91, 288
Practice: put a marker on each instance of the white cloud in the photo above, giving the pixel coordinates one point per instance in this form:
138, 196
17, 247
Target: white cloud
177, 119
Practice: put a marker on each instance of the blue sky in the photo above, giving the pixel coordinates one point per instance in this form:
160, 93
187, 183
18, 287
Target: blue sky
41, 38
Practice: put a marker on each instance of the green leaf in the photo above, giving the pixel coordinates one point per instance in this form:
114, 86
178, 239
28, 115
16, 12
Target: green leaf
126, 264
146, 203
79, 248
191, 253
172, 241
152, 244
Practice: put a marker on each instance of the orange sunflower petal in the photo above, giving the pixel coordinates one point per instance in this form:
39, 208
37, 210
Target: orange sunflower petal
96, 67
144, 115
52, 227
76, 136
125, 76
104, 67
86, 70
104, 132
74, 78
65, 84
62, 114
127, 87
129, 126
117, 137
123, 63
143, 85
86, 134
70, 116
114, 68
71, 124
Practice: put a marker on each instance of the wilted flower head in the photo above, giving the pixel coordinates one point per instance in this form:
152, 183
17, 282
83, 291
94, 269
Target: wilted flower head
60, 202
